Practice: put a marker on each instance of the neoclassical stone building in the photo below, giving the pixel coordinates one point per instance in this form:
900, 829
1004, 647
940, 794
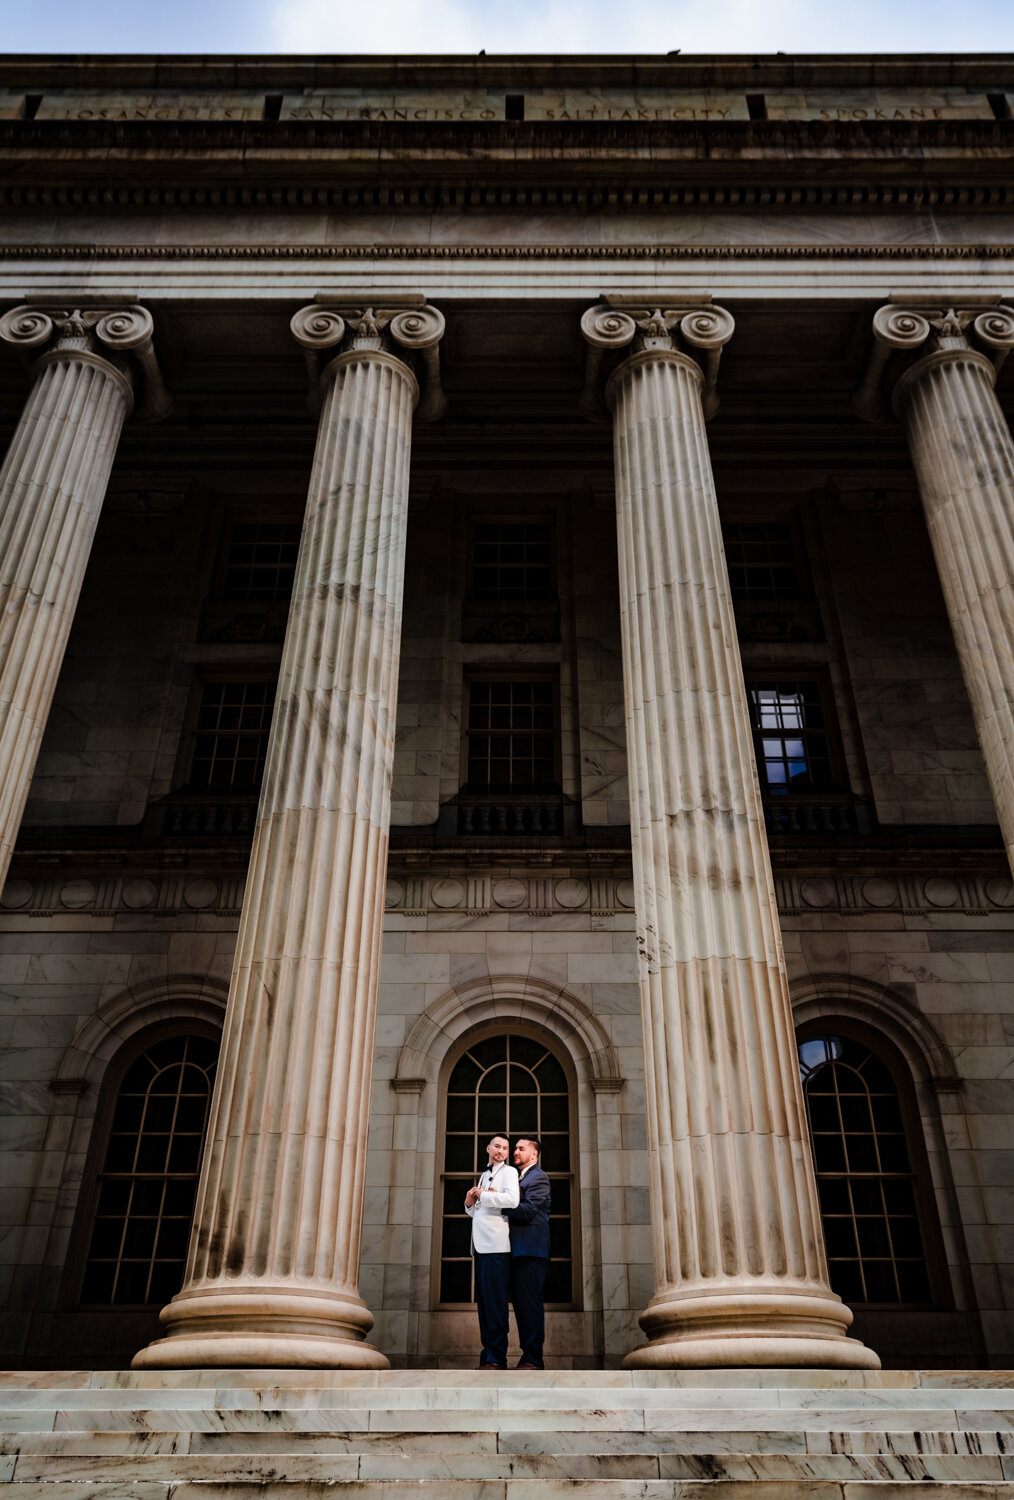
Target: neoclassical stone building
506, 573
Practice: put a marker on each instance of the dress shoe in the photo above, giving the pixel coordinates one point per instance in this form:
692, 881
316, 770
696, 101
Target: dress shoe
490, 1364
524, 1365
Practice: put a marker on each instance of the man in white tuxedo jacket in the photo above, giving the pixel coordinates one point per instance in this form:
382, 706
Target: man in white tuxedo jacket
496, 1190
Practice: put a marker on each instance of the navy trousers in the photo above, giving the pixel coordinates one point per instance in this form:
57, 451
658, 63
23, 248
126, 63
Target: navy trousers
492, 1296
528, 1281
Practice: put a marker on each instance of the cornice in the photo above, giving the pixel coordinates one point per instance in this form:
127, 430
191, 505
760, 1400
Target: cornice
369, 163
445, 252
642, 69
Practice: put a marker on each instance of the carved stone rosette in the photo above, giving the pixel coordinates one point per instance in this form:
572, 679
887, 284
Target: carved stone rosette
52, 485
272, 1278
938, 365
740, 1270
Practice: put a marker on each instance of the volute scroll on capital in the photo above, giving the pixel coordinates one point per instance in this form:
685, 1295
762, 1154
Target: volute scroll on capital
908, 332
121, 335
618, 327
412, 332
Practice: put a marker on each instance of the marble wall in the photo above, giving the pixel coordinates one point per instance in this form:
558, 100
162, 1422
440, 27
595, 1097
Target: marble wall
513, 945
918, 739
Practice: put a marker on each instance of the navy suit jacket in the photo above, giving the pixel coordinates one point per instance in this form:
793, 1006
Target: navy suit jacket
529, 1222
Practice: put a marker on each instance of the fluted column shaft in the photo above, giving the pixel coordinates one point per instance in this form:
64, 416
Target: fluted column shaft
963, 456
272, 1276
52, 485
740, 1271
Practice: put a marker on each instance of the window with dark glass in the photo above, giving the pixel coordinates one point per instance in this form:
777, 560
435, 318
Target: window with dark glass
260, 562
763, 561
510, 739
509, 1085
146, 1186
231, 736
791, 735
869, 1198
512, 560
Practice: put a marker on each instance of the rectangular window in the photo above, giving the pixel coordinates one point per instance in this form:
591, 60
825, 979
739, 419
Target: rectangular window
510, 740
763, 560
791, 735
260, 562
231, 736
512, 560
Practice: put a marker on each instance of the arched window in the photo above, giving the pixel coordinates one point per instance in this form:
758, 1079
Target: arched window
869, 1160
150, 1136
512, 1084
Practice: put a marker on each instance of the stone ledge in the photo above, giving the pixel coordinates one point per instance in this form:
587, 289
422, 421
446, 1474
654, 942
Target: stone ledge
275, 1381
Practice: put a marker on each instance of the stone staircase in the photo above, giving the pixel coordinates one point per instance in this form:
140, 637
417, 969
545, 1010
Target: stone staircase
697, 1435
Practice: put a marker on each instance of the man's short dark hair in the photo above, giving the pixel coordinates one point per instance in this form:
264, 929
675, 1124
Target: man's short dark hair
499, 1135
532, 1140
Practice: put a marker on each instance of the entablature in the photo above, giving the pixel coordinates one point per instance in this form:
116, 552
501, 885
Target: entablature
532, 132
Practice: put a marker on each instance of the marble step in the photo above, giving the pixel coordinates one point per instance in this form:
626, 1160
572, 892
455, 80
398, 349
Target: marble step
900, 1443
544, 1425
535, 1489
748, 1385
325, 1468
729, 1435
490, 1394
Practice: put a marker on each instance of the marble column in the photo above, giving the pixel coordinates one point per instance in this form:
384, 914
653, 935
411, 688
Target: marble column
740, 1269
939, 366
273, 1271
52, 485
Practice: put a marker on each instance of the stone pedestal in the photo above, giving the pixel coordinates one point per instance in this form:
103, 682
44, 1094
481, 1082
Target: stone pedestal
272, 1277
740, 1270
52, 486
941, 371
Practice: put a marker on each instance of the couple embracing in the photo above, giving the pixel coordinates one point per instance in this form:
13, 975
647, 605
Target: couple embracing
509, 1210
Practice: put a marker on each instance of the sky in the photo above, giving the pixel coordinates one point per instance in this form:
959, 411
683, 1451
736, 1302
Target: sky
539, 26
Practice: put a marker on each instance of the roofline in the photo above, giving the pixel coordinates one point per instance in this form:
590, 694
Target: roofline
507, 70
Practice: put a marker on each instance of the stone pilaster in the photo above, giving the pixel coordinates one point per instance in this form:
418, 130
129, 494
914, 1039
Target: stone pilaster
52, 485
939, 366
272, 1277
740, 1270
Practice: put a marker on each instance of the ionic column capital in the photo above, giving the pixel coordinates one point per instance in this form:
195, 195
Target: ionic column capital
118, 337
620, 329
408, 330
913, 336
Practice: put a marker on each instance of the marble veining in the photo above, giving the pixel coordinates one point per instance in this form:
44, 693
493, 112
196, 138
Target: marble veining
272, 1277
740, 1271
52, 485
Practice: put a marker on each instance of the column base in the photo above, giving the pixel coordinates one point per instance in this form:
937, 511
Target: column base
751, 1330
263, 1328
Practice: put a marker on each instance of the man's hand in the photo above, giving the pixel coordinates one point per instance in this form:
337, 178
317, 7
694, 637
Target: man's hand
472, 1197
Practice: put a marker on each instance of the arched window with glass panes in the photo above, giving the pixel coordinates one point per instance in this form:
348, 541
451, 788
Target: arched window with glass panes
512, 1083
880, 1225
146, 1162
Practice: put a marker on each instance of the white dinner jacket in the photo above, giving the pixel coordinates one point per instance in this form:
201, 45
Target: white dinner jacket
491, 1234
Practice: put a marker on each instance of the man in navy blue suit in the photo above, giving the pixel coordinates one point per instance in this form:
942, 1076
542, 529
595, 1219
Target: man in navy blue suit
529, 1226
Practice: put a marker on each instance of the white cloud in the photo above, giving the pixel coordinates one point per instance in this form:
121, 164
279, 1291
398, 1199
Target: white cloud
518, 26
645, 26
